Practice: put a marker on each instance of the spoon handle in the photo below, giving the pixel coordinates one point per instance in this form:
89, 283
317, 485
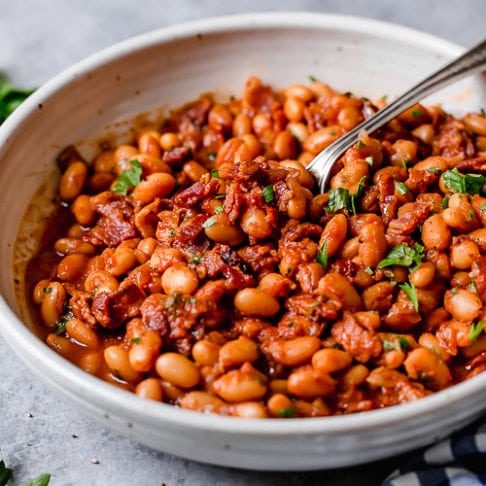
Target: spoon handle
470, 62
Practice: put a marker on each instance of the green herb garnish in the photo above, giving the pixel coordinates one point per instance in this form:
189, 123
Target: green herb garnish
208, 223
312, 78
286, 412
470, 183
369, 160
219, 209
42, 480
10, 98
63, 320
47, 290
5, 474
475, 330
411, 291
434, 170
341, 199
136, 340
401, 187
195, 259
404, 256
368, 270
416, 113
483, 207
322, 255
215, 174
128, 179
445, 202
268, 194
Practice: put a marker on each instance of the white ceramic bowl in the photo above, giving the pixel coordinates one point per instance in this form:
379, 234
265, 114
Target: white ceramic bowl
166, 68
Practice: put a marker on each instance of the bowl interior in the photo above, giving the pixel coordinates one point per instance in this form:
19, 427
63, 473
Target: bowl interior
103, 97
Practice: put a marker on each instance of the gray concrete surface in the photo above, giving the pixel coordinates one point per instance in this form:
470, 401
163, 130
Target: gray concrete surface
39, 431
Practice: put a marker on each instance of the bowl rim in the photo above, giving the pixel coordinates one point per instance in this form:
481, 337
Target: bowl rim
26, 344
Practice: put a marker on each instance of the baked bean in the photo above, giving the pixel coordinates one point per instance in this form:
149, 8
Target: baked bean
73, 181
123, 153
82, 210
142, 355
254, 222
294, 352
349, 116
321, 138
241, 385
330, 360
220, 118
256, 302
285, 146
60, 344
280, 405
82, 333
429, 341
150, 388
253, 410
423, 364
156, 185
100, 280
294, 109
68, 246
298, 130
334, 234
117, 360
205, 353
464, 305
236, 352
379, 296
404, 151
42, 287
179, 278
202, 402
307, 382
163, 258
120, 261
423, 275
339, 287
91, 362
276, 285
194, 170
220, 230
356, 375
52, 307
463, 253
373, 247
479, 237
171, 392
105, 162
435, 233
148, 144
177, 369
241, 125
169, 141
475, 123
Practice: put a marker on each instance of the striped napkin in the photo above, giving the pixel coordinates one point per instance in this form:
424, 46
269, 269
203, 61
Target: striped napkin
457, 461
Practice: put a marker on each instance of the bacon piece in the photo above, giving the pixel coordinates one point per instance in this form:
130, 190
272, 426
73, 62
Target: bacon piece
194, 194
453, 140
176, 156
361, 343
111, 310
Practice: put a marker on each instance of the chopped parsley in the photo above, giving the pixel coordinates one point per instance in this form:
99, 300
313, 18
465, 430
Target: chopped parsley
208, 223
47, 290
464, 183
195, 259
340, 198
401, 187
5, 474
416, 113
215, 174
63, 320
411, 291
268, 194
287, 412
434, 170
475, 330
128, 179
322, 255
400, 344
483, 207
219, 209
368, 270
369, 160
136, 340
42, 480
445, 202
10, 98
404, 256
220, 196
312, 78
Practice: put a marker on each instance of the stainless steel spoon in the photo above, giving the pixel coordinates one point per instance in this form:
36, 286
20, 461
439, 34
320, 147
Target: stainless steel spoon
472, 61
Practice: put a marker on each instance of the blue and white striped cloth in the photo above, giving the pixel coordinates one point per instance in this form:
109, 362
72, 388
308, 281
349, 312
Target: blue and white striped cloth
457, 461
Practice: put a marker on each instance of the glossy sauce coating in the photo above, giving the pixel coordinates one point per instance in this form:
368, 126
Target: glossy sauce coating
198, 267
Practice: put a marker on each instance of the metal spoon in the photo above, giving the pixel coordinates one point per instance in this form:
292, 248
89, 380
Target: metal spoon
472, 61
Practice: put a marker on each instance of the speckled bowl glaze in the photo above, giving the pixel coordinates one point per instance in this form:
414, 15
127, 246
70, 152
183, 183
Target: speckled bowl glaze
103, 95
